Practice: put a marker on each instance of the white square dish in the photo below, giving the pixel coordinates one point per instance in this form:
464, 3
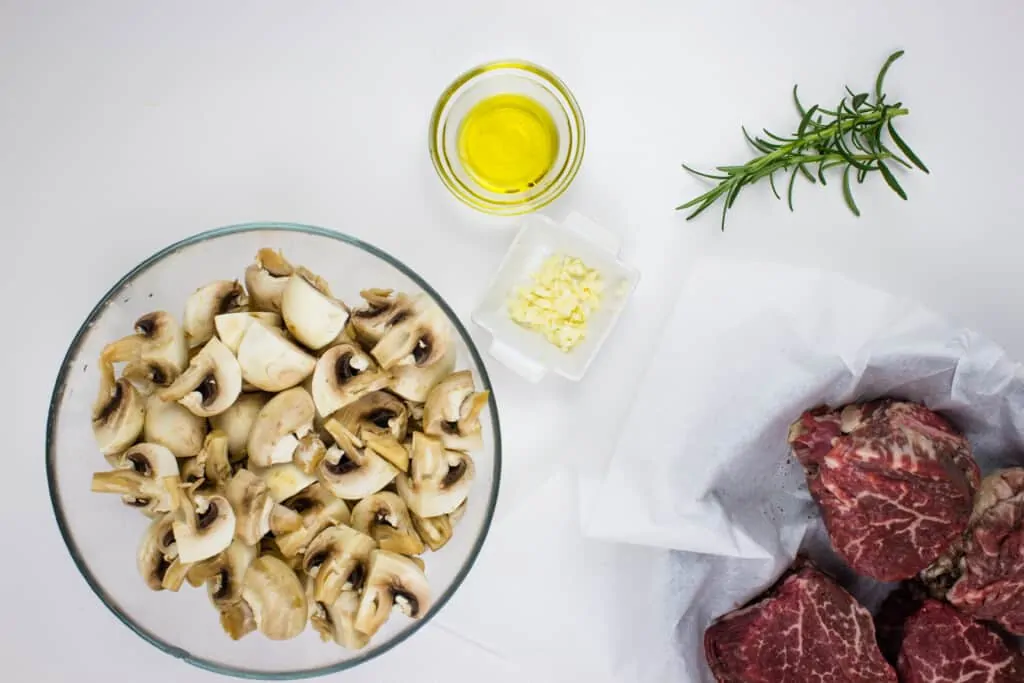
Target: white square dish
525, 351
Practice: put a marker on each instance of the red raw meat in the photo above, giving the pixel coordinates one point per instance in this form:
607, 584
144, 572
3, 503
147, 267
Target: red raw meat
894, 481
989, 565
805, 629
941, 645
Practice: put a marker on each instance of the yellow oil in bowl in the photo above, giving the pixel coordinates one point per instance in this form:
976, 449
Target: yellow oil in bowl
507, 143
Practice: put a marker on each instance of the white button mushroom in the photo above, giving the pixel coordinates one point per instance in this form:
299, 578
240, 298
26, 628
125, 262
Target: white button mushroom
231, 327
270, 361
279, 425
351, 471
336, 621
438, 481
206, 527
155, 355
319, 509
343, 374
313, 316
417, 350
237, 422
385, 518
211, 383
256, 513
157, 559
118, 414
276, 597
146, 478
266, 279
205, 304
452, 412
173, 425
393, 580
338, 560
382, 310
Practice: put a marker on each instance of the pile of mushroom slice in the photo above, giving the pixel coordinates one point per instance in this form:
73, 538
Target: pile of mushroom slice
296, 456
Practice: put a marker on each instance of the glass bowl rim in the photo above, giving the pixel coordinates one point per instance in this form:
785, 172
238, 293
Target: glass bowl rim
558, 186
58, 510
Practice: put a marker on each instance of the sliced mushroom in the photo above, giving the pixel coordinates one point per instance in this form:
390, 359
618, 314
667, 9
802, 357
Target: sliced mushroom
237, 620
377, 413
118, 413
266, 279
217, 464
435, 531
157, 560
309, 453
146, 478
278, 427
393, 580
457, 514
270, 361
383, 309
256, 513
276, 597
385, 517
205, 304
284, 480
311, 314
418, 350
438, 481
237, 422
343, 374
452, 412
351, 471
338, 560
388, 448
319, 509
337, 621
173, 425
231, 327
211, 383
224, 573
155, 355
205, 527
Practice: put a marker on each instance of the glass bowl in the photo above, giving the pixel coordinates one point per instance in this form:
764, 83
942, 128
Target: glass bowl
498, 78
103, 535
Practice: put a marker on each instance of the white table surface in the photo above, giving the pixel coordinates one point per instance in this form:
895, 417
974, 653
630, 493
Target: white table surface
127, 125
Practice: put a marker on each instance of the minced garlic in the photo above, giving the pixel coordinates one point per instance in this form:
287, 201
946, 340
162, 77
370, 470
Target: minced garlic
558, 302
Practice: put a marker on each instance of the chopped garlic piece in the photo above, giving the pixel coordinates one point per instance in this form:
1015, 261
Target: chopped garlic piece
563, 294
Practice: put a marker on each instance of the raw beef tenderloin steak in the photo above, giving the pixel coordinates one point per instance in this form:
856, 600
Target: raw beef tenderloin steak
941, 645
894, 481
804, 629
986, 570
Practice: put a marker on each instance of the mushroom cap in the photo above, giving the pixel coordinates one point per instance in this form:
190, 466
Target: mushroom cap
266, 279
319, 509
336, 621
382, 310
420, 337
351, 472
309, 453
146, 477
231, 327
224, 573
378, 413
217, 464
438, 481
155, 354
276, 597
173, 425
211, 383
237, 422
270, 361
208, 528
284, 480
272, 437
311, 315
338, 561
157, 552
452, 412
206, 303
385, 517
393, 580
343, 374
118, 414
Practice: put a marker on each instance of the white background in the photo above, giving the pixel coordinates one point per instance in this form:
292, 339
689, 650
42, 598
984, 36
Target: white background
125, 126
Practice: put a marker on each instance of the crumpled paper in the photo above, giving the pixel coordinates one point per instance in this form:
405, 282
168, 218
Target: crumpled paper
702, 465
611, 572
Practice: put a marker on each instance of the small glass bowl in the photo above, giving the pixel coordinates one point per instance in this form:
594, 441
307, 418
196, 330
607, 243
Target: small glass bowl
103, 535
506, 77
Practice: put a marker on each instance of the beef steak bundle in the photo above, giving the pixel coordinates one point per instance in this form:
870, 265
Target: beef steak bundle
894, 481
984, 574
805, 628
941, 645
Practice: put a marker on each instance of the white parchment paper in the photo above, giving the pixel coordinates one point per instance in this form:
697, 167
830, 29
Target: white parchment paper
702, 465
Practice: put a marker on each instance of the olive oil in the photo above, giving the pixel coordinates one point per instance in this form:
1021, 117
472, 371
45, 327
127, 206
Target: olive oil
507, 143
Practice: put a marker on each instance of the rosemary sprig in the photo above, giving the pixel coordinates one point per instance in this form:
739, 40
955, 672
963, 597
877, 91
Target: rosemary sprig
848, 136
